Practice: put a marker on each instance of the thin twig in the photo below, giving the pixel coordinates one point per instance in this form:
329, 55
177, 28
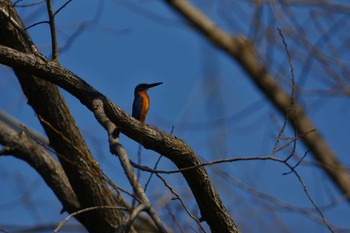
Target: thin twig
311, 199
36, 24
181, 201
271, 158
63, 6
203, 164
157, 162
293, 140
139, 161
58, 228
155, 167
126, 225
272, 200
138, 172
291, 107
297, 164
15, 4
52, 24
117, 149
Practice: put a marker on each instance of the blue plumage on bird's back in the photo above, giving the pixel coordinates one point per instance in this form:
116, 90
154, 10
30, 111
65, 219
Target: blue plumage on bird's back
141, 102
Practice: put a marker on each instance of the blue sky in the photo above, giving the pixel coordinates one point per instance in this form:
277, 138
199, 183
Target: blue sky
205, 96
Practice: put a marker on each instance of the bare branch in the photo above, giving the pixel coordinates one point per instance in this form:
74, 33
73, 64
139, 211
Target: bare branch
178, 197
117, 149
242, 51
296, 165
256, 194
326, 223
19, 126
125, 226
58, 228
47, 102
263, 158
24, 148
212, 209
291, 109
52, 24
62, 7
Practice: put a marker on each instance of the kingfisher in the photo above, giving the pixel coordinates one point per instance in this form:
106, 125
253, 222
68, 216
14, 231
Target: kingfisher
141, 101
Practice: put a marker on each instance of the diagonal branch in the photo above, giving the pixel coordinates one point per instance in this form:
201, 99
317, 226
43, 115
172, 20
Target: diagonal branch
19, 126
22, 147
117, 149
208, 200
59, 125
241, 50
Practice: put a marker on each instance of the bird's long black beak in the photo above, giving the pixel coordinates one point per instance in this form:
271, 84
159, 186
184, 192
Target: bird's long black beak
153, 84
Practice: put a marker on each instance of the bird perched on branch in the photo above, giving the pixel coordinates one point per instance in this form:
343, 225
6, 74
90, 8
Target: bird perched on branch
141, 101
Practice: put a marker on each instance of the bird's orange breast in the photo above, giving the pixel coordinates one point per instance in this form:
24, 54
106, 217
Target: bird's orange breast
145, 106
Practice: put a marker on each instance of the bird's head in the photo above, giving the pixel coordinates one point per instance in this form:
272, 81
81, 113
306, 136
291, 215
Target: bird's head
143, 87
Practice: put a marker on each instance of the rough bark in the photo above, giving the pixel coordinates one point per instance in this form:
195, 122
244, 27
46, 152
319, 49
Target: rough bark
208, 200
82, 171
22, 147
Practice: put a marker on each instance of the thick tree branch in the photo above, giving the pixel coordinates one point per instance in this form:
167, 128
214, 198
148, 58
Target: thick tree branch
242, 51
117, 149
212, 209
22, 147
19, 126
64, 136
